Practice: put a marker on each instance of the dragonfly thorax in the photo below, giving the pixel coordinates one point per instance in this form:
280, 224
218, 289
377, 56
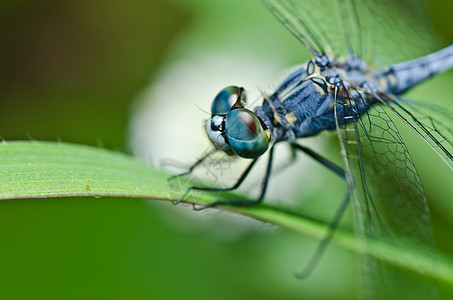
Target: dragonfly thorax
303, 104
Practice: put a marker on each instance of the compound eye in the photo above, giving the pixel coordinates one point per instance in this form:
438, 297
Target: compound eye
247, 135
226, 99
214, 130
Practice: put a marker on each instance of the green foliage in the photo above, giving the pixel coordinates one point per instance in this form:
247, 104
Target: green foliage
40, 169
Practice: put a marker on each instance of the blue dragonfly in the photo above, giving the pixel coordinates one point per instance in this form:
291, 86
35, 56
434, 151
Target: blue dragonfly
350, 88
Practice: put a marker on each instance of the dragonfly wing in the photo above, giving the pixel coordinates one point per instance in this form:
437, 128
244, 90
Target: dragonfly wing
377, 29
367, 28
302, 19
388, 197
433, 124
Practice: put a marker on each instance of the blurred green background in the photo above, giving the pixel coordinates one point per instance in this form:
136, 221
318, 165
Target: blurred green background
72, 71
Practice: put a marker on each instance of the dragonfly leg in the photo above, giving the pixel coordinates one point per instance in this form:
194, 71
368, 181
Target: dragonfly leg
241, 179
207, 189
325, 162
286, 164
322, 246
192, 167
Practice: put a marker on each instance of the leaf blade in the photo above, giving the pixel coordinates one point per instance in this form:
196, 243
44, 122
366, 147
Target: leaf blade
45, 169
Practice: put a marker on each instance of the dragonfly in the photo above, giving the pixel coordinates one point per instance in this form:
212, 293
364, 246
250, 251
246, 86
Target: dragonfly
349, 87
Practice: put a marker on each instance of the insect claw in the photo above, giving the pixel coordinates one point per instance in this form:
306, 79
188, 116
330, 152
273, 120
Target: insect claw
182, 197
202, 207
176, 202
301, 275
195, 208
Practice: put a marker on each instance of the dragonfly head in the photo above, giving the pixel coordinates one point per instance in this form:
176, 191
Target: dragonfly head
235, 129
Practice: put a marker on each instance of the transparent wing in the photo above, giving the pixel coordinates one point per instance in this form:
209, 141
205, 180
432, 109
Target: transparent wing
302, 19
433, 124
374, 29
388, 197
391, 31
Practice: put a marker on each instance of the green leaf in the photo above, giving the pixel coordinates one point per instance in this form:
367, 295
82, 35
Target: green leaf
42, 169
